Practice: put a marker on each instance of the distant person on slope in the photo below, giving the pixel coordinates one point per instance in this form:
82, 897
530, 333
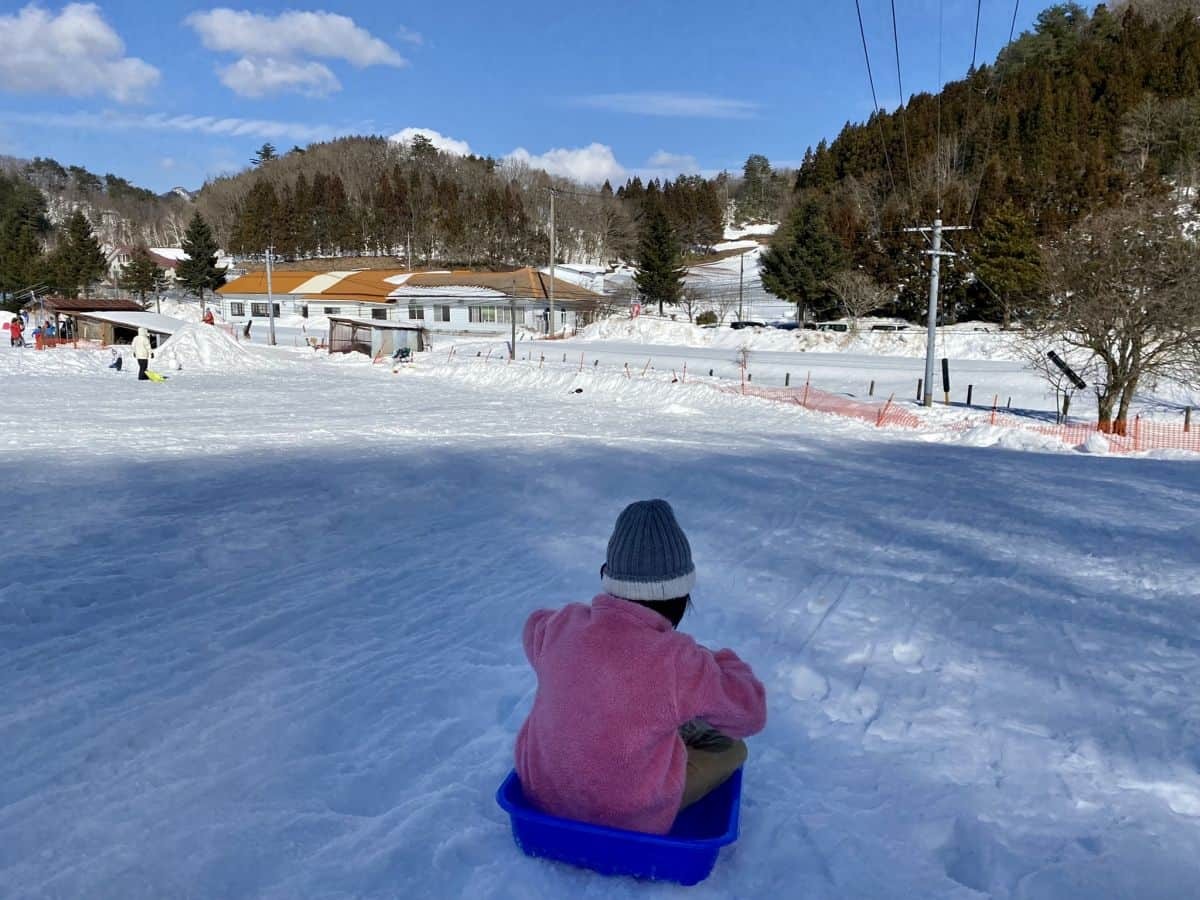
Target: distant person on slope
141, 352
633, 721
16, 333
208, 317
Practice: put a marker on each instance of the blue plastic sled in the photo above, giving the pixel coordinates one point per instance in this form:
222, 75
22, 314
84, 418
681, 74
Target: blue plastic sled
685, 855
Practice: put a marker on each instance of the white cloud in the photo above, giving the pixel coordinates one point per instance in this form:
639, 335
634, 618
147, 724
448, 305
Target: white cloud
167, 162
291, 34
260, 77
591, 164
676, 163
689, 106
443, 143
75, 53
277, 52
228, 127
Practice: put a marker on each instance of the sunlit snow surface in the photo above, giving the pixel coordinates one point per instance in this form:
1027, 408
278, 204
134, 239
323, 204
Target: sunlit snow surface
259, 634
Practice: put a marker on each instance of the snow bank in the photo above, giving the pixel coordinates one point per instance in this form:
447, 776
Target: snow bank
957, 342
203, 348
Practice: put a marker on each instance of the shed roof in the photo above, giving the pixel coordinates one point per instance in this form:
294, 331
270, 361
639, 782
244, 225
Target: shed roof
84, 304
381, 324
148, 320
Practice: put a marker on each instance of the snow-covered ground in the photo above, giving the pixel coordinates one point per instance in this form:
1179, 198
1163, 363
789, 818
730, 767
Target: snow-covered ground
259, 631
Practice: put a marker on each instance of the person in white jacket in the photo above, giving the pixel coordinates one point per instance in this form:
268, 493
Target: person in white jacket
141, 352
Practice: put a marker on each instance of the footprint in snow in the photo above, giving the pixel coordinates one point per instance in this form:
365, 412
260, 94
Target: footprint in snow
805, 684
908, 654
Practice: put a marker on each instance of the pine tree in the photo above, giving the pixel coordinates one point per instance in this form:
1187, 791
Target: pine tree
803, 256
660, 271
199, 272
265, 153
142, 275
77, 262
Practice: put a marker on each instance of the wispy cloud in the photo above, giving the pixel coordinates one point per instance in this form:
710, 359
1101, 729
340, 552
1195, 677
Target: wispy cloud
75, 53
684, 106
409, 36
215, 125
261, 77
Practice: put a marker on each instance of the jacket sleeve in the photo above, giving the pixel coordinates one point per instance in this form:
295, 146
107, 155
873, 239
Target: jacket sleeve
534, 632
721, 689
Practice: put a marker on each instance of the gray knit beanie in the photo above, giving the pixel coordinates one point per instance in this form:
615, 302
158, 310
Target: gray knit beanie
648, 554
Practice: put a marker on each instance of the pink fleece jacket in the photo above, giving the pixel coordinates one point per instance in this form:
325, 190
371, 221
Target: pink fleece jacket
615, 682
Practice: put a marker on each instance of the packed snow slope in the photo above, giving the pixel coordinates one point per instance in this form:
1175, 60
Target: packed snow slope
260, 635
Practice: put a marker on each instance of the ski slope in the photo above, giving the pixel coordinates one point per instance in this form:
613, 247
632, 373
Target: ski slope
260, 634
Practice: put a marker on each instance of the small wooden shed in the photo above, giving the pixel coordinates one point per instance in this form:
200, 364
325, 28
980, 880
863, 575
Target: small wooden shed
374, 337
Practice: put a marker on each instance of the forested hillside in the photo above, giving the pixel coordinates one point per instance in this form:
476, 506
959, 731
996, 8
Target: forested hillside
372, 195
1077, 114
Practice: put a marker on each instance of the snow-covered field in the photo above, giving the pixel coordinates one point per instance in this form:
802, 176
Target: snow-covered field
259, 631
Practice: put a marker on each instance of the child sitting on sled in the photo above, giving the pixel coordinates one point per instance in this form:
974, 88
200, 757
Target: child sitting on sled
633, 720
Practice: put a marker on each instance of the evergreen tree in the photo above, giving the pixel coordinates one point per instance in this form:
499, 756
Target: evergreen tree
753, 197
142, 275
659, 271
199, 272
23, 228
265, 153
1008, 262
801, 259
77, 262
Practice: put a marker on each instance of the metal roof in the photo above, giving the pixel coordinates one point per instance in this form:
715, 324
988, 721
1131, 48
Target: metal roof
391, 285
84, 304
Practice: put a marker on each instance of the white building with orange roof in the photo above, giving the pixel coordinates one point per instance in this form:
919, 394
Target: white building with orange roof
460, 300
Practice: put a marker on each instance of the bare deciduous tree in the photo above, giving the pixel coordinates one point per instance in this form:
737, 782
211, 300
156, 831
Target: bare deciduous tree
859, 294
1122, 289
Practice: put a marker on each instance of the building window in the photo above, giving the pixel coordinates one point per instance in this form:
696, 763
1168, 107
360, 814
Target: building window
379, 314
260, 309
416, 312
441, 314
237, 310
333, 310
489, 314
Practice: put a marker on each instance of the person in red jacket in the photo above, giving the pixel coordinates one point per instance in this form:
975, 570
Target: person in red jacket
633, 720
16, 333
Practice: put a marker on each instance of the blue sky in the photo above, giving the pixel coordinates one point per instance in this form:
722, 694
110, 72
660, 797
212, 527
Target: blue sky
169, 94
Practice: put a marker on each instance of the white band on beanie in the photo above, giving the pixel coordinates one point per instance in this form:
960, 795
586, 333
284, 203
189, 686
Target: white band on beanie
649, 590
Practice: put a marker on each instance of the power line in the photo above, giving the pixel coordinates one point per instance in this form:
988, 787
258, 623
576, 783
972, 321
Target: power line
937, 155
975, 42
874, 97
903, 125
987, 149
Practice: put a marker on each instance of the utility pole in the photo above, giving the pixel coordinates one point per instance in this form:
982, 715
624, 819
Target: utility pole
741, 278
931, 333
550, 321
270, 301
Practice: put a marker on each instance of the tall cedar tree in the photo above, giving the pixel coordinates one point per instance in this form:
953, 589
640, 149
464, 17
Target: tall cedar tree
1008, 262
801, 259
660, 270
142, 275
23, 229
199, 272
77, 262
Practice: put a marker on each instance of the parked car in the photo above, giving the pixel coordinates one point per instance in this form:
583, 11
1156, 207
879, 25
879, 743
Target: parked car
785, 326
747, 323
888, 327
832, 326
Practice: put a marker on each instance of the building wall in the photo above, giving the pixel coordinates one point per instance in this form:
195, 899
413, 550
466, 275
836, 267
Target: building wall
433, 316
